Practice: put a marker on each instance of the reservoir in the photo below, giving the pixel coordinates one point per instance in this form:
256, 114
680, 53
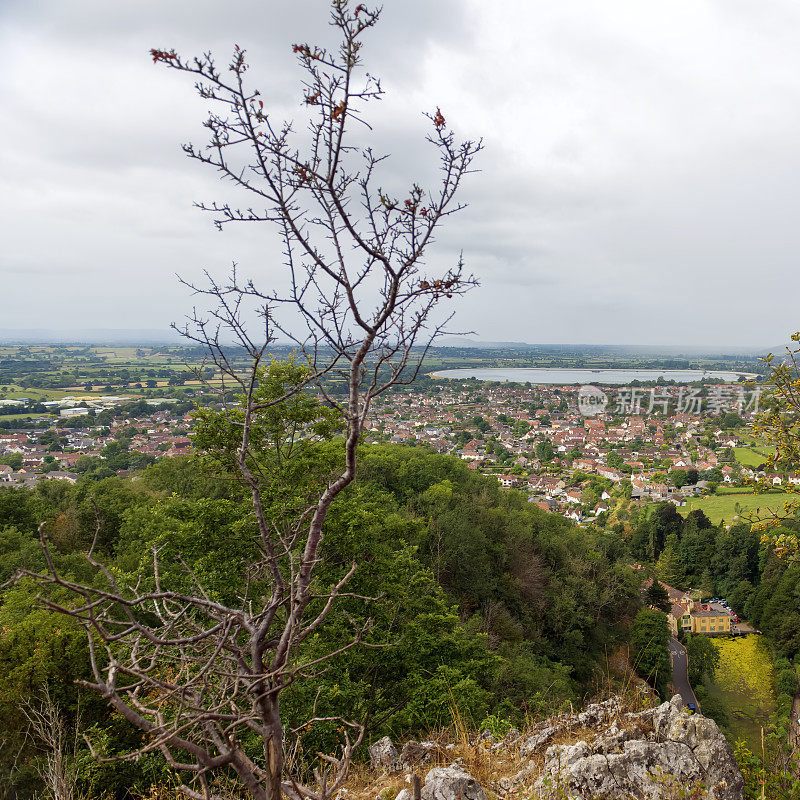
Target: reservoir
559, 376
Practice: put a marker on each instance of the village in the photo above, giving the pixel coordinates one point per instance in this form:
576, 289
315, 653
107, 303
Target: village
666, 443
650, 445
114, 445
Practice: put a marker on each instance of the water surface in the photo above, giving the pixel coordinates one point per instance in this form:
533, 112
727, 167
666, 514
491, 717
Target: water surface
567, 376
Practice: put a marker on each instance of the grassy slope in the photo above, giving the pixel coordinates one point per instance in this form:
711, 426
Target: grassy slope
717, 508
744, 685
749, 457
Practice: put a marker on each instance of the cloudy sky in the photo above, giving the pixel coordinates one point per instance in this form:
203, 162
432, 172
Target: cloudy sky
640, 183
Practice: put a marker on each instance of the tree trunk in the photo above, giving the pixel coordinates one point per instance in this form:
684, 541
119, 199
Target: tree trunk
273, 750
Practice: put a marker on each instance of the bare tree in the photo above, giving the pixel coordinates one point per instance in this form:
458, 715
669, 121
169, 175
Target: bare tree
199, 677
47, 727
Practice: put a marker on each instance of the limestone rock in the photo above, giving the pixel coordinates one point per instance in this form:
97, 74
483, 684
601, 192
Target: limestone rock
561, 757
713, 753
451, 783
643, 770
598, 713
665, 715
612, 739
417, 752
538, 740
382, 753
651, 755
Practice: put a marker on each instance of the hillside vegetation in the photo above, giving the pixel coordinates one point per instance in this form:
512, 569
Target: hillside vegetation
485, 606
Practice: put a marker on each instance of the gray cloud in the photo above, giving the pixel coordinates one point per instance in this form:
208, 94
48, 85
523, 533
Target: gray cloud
639, 184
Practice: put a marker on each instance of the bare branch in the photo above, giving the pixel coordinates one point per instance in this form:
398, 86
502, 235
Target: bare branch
198, 675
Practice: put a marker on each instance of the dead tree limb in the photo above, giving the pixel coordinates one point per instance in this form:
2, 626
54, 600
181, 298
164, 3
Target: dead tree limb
196, 675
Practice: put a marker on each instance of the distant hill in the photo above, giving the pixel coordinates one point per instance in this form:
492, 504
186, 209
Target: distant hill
149, 336
608, 349
90, 336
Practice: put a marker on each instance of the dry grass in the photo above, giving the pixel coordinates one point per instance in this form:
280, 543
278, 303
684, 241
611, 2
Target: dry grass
223, 787
492, 765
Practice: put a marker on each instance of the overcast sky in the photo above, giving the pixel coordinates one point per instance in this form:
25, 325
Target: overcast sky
640, 184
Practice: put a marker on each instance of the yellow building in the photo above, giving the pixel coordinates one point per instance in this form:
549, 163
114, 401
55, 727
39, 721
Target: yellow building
680, 618
689, 616
692, 617
705, 619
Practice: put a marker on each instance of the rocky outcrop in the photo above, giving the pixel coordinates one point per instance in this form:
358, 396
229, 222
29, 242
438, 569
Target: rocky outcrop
382, 753
414, 753
662, 753
539, 739
595, 714
652, 755
451, 783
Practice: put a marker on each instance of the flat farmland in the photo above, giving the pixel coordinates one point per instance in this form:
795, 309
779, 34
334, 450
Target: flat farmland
732, 507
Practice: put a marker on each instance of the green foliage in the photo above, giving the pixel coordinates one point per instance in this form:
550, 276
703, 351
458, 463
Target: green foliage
285, 456
482, 603
657, 596
13, 460
669, 566
678, 477
713, 707
704, 658
786, 680
544, 451
774, 605
650, 639
766, 774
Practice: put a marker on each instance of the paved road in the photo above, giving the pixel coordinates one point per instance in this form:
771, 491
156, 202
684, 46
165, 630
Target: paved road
794, 724
680, 677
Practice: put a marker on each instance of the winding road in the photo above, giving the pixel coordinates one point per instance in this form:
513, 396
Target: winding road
680, 673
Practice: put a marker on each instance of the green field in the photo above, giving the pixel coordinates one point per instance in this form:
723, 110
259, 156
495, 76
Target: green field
749, 457
743, 685
730, 506
10, 391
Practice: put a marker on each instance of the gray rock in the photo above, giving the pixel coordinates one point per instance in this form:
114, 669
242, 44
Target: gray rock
382, 753
645, 770
713, 753
665, 715
539, 740
417, 752
560, 757
598, 713
404, 794
651, 755
451, 783
612, 739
